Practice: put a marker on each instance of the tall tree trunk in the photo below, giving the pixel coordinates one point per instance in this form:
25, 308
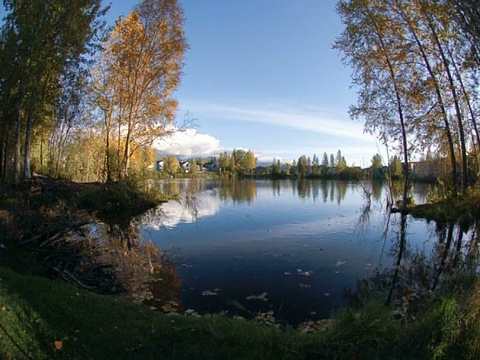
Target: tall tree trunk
126, 155
28, 147
469, 104
3, 151
41, 153
5, 158
393, 76
18, 135
441, 103
108, 160
453, 90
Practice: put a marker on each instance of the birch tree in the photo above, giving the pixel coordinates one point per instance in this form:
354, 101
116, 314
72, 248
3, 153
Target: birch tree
372, 45
42, 37
141, 68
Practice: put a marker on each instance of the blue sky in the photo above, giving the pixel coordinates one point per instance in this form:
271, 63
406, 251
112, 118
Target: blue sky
262, 75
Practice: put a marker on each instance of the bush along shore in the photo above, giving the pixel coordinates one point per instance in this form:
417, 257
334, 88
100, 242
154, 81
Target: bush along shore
67, 295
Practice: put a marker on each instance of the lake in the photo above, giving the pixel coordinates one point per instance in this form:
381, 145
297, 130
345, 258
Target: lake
289, 246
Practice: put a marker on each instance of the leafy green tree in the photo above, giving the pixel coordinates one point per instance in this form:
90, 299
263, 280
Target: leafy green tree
324, 165
302, 166
250, 161
377, 166
171, 165
395, 167
340, 163
333, 164
372, 45
315, 165
40, 39
239, 157
193, 167
226, 162
276, 167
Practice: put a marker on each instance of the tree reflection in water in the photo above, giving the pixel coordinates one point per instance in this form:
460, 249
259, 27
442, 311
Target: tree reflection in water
240, 191
142, 269
416, 277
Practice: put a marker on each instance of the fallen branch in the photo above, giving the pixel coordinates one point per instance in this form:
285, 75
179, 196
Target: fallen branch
56, 234
68, 277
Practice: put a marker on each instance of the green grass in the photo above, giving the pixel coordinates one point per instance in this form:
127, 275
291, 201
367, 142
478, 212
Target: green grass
463, 209
37, 312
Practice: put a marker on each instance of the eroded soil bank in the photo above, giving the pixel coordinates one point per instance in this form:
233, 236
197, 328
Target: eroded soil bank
47, 225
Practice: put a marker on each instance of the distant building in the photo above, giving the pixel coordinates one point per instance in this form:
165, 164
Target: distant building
159, 165
211, 166
429, 168
185, 166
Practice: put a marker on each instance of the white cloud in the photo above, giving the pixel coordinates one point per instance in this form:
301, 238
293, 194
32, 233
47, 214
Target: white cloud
298, 117
335, 130
189, 143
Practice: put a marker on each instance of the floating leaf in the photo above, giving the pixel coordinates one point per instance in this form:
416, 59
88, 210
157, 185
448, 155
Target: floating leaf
262, 297
305, 273
315, 326
191, 312
209, 293
58, 345
168, 308
266, 318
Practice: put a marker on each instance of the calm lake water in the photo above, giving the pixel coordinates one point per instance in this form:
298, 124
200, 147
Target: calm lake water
302, 242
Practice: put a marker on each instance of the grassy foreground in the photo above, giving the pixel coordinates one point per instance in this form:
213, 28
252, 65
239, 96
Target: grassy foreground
43, 319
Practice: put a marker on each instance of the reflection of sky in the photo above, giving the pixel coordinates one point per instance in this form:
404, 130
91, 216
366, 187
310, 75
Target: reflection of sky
246, 247
173, 213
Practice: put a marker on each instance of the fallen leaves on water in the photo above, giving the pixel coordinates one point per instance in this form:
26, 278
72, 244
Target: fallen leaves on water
192, 313
210, 293
309, 327
266, 318
58, 345
262, 297
170, 307
304, 273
